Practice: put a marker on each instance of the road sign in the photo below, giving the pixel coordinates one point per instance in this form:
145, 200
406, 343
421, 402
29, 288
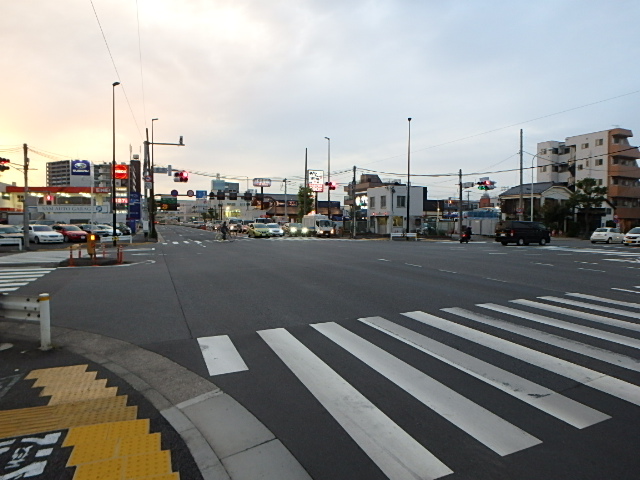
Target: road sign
201, 194
174, 193
616, 219
147, 178
519, 210
190, 193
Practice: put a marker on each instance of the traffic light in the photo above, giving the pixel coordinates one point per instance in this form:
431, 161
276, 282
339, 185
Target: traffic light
91, 244
486, 185
233, 195
49, 199
181, 176
212, 195
220, 195
332, 185
4, 164
247, 196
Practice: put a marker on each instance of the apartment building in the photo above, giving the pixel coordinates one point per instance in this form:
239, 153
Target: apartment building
609, 158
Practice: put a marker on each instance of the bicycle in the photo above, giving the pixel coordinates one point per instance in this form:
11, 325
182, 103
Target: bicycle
220, 237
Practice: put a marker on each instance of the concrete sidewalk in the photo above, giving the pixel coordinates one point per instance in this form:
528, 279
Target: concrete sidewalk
224, 439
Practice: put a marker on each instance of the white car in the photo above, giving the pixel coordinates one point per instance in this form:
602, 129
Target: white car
109, 228
44, 234
275, 229
607, 235
632, 237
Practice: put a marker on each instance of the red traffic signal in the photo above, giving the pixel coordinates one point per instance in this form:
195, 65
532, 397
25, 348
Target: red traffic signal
4, 164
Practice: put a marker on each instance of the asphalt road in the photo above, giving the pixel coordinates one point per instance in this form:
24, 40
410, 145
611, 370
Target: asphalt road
351, 400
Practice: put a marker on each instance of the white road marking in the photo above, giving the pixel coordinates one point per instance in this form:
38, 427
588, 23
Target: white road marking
591, 306
413, 265
585, 316
587, 350
565, 409
592, 378
572, 327
220, 355
394, 451
591, 269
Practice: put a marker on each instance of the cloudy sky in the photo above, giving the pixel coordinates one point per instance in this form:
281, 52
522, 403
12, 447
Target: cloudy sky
250, 84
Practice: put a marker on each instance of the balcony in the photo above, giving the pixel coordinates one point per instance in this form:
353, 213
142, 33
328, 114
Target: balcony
619, 149
631, 213
624, 171
623, 191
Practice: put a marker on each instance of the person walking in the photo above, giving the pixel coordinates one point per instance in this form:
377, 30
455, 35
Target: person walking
224, 230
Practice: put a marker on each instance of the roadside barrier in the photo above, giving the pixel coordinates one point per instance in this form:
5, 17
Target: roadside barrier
12, 241
29, 308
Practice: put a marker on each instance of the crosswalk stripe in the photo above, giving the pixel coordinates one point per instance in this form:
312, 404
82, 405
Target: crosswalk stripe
575, 313
393, 450
591, 332
592, 378
553, 403
605, 300
601, 354
591, 306
17, 277
486, 427
220, 355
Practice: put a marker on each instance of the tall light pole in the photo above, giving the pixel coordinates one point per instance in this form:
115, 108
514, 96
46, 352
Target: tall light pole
329, 176
408, 174
152, 204
113, 166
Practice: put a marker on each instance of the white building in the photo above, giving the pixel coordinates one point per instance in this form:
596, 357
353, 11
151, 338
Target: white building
387, 208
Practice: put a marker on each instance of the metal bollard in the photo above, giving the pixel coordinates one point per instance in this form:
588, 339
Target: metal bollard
71, 256
45, 321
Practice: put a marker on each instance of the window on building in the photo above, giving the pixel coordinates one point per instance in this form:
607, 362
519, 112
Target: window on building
598, 161
401, 201
544, 168
383, 201
599, 142
554, 168
586, 163
616, 140
543, 151
585, 145
6, 196
580, 166
599, 182
614, 161
372, 202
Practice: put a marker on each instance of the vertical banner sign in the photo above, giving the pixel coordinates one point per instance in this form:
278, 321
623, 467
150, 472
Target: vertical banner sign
134, 206
316, 180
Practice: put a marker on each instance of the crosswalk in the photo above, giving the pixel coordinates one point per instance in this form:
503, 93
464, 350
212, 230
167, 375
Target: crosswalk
11, 279
590, 340
42, 256
210, 241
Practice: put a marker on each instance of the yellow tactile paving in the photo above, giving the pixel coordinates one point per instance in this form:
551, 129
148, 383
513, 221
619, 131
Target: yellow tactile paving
108, 441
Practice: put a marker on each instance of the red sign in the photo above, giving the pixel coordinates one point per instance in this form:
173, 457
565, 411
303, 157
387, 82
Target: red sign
122, 171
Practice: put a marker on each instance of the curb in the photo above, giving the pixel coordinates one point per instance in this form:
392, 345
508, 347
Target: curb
226, 441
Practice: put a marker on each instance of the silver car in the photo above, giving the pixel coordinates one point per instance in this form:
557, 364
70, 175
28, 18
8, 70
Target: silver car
44, 234
632, 237
275, 229
607, 235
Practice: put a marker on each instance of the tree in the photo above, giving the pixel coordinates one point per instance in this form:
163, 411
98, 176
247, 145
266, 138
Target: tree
305, 201
588, 195
554, 214
212, 214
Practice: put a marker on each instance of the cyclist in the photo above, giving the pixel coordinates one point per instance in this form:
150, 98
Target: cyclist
224, 229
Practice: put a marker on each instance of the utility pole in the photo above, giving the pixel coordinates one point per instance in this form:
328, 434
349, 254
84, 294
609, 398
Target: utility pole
25, 209
460, 202
353, 205
306, 185
408, 175
285, 200
521, 200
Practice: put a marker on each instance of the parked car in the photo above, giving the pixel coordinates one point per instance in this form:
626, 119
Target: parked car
109, 229
607, 235
9, 231
90, 228
632, 237
42, 222
521, 232
71, 233
125, 229
44, 234
276, 231
259, 230
296, 230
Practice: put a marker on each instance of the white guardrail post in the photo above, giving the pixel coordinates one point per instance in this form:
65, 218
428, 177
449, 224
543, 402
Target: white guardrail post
30, 308
45, 321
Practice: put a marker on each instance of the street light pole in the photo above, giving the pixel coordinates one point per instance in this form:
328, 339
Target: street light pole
113, 166
152, 205
408, 174
329, 176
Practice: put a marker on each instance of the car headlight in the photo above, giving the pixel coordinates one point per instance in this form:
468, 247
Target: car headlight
332, 230
305, 230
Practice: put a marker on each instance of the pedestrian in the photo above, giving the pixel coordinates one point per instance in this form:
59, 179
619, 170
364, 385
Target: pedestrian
225, 230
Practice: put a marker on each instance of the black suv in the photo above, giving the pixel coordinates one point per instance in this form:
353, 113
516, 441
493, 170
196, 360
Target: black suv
522, 233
